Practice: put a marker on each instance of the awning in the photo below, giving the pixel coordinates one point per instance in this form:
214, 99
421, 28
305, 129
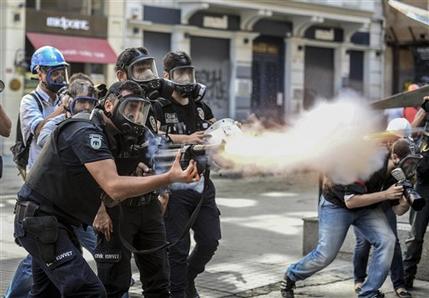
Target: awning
76, 49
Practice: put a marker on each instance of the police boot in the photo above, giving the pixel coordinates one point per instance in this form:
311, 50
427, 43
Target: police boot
409, 282
191, 291
286, 288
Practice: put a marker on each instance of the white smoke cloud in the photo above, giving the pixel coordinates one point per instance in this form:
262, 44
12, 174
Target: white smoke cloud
331, 138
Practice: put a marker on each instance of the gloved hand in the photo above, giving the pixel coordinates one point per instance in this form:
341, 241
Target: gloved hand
425, 104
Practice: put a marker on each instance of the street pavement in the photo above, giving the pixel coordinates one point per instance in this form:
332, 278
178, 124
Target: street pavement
261, 234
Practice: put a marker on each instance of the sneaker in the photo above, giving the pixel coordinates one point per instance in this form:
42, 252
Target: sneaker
286, 288
358, 287
379, 295
191, 291
403, 293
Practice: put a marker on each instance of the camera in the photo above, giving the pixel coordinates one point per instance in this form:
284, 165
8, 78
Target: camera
413, 198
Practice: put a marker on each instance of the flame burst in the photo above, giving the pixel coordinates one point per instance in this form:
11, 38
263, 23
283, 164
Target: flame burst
330, 138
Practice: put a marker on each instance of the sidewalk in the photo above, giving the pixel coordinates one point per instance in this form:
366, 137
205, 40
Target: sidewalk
261, 234
11, 181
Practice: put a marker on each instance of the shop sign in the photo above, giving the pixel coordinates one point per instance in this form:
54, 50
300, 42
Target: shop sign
325, 33
216, 22
65, 23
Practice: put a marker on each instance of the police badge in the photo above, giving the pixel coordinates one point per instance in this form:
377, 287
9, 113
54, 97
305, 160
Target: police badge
95, 141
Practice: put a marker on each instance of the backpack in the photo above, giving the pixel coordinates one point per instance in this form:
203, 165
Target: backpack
21, 149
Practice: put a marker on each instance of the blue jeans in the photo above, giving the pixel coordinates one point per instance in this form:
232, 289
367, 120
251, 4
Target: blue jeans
334, 222
20, 286
362, 248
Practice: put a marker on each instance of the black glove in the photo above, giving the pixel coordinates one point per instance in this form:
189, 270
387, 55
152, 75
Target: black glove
425, 104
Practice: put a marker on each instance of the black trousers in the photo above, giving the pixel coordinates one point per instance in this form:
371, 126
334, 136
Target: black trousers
414, 244
185, 267
69, 275
144, 228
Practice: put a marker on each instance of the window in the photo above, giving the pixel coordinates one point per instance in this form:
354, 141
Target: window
83, 7
75, 6
30, 4
97, 7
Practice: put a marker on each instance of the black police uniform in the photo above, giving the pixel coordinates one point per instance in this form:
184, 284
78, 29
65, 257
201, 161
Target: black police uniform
58, 194
139, 221
187, 119
418, 220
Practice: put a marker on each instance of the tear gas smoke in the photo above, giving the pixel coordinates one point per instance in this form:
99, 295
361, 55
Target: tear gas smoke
330, 138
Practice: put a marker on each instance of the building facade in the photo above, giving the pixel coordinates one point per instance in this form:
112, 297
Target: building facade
407, 48
273, 58
87, 32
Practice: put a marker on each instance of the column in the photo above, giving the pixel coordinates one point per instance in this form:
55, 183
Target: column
294, 76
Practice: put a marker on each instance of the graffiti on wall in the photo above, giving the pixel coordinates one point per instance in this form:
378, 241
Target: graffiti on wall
216, 80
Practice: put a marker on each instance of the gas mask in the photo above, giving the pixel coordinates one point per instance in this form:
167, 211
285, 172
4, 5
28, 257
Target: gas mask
85, 103
129, 116
142, 70
56, 77
183, 78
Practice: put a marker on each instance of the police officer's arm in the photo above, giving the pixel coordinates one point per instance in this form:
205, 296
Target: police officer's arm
120, 188
361, 200
195, 138
5, 123
208, 114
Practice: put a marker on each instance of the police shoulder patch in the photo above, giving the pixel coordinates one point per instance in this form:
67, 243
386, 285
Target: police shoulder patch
153, 123
95, 141
200, 112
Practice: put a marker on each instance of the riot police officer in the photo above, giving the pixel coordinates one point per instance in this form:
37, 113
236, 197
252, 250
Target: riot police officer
136, 64
78, 163
141, 222
137, 222
184, 120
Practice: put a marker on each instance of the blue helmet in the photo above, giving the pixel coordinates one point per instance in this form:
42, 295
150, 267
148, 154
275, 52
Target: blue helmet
47, 56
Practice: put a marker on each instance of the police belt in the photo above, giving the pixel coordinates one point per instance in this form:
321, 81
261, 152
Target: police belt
29, 208
140, 201
185, 231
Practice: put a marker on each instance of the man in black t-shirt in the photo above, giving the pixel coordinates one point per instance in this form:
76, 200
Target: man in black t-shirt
356, 204
184, 120
64, 189
138, 221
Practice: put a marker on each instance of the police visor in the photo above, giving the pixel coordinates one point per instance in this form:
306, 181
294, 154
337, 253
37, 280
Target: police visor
183, 75
134, 109
82, 103
143, 69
